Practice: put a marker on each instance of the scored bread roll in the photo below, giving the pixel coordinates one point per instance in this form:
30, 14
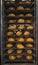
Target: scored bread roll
12, 21
12, 57
11, 8
29, 40
11, 27
10, 51
29, 45
18, 33
28, 21
20, 8
20, 39
27, 9
20, 20
29, 57
11, 39
9, 33
19, 51
9, 45
30, 27
26, 33
29, 51
28, 2
29, 15
20, 46
21, 27
11, 14
19, 56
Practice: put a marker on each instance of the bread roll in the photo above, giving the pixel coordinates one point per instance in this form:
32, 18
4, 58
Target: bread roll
8, 3
20, 46
27, 8
12, 21
18, 33
29, 40
11, 27
27, 2
19, 56
11, 14
21, 15
11, 8
20, 20
20, 8
20, 39
9, 33
10, 51
12, 57
11, 40
28, 15
19, 51
29, 57
26, 33
9, 45
30, 27
28, 21
29, 45
29, 51
21, 27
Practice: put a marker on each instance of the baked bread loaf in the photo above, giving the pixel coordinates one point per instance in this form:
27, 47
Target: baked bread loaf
9, 45
21, 27
11, 14
10, 51
20, 46
29, 15
11, 8
26, 33
29, 51
29, 57
19, 56
29, 40
12, 21
11, 39
18, 33
9, 33
19, 51
20, 39
12, 57
30, 27
29, 45
20, 8
27, 8
28, 2
20, 20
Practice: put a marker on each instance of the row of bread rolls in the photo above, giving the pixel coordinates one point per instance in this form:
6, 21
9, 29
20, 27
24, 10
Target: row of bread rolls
26, 2
18, 33
19, 21
28, 57
10, 51
26, 15
19, 8
19, 46
28, 27
20, 39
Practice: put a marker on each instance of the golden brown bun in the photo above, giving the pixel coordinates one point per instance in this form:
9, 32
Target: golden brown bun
30, 27
11, 40
20, 20
11, 15
12, 21
28, 21
18, 33
28, 15
29, 45
29, 40
10, 51
20, 46
20, 39
19, 56
21, 15
20, 8
29, 57
21, 27
29, 51
27, 8
9, 45
12, 57
11, 8
27, 2
9, 33
19, 51
26, 33
11, 27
